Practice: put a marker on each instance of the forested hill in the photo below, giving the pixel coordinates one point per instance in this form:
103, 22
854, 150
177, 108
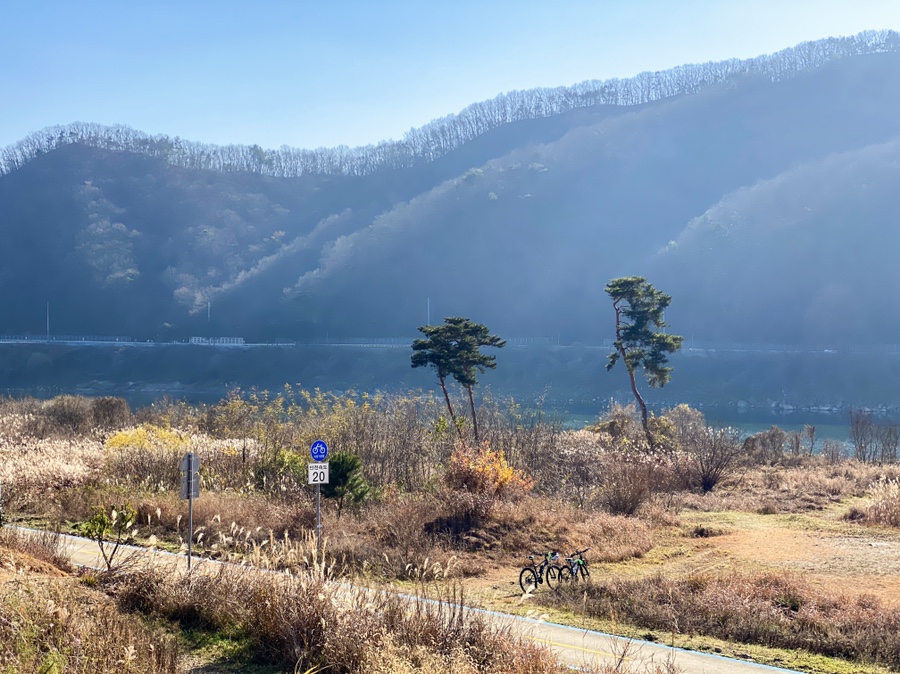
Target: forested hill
442, 136
759, 193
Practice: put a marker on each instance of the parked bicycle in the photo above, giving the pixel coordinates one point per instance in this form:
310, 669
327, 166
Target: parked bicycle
576, 566
536, 573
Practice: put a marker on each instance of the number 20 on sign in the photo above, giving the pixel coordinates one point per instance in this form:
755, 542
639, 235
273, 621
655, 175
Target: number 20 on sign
318, 473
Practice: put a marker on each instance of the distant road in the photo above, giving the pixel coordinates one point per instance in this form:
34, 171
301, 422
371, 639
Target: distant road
573, 646
690, 348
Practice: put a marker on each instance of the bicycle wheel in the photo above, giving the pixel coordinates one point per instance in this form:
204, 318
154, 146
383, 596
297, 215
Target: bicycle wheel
528, 580
551, 575
585, 574
565, 575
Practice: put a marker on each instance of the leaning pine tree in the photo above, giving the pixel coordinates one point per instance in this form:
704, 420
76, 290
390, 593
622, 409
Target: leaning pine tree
438, 351
454, 349
470, 360
640, 343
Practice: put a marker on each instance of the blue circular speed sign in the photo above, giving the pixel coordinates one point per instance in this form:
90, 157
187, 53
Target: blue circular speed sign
318, 451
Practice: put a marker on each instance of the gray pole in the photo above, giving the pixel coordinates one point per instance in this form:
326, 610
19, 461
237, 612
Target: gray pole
319, 522
190, 480
190, 522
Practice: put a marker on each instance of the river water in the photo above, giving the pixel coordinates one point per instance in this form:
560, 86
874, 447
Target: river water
749, 420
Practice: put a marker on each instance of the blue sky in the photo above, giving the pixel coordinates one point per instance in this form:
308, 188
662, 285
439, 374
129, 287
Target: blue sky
311, 74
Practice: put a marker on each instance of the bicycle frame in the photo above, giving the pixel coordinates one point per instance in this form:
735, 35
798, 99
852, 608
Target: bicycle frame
577, 563
541, 570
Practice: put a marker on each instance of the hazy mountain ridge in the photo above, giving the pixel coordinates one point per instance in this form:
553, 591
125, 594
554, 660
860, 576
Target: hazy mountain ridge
565, 218
441, 136
519, 226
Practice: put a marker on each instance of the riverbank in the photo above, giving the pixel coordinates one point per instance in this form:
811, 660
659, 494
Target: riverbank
742, 389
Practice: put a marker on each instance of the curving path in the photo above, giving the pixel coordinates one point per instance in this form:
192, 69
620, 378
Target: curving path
573, 646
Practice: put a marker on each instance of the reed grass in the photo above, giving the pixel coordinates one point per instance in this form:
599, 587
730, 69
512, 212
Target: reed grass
771, 609
884, 505
54, 626
299, 621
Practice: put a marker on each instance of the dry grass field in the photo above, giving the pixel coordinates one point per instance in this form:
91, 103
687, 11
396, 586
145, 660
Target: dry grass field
758, 548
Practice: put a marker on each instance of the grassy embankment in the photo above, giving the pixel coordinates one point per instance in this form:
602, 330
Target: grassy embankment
437, 514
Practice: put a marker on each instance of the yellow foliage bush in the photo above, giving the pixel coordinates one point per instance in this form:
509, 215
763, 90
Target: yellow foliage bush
482, 470
146, 437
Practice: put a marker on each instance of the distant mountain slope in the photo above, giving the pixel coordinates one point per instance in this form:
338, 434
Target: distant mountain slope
518, 225
529, 239
808, 256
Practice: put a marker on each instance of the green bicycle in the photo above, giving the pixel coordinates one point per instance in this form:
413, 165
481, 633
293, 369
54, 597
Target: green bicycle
536, 573
575, 567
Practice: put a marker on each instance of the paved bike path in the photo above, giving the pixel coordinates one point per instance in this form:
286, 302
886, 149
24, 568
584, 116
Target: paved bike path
573, 646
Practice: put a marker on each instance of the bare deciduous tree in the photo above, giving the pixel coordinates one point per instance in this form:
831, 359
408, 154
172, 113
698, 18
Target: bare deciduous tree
766, 446
862, 433
794, 443
809, 433
441, 136
885, 439
715, 456
833, 451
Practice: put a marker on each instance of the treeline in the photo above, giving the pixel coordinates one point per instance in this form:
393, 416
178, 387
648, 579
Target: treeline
441, 136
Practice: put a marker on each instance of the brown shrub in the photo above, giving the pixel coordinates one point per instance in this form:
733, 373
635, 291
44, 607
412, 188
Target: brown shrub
46, 547
55, 626
67, 416
482, 470
225, 523
33, 471
538, 524
772, 609
301, 622
394, 538
409, 534
809, 485
627, 481
593, 469
109, 413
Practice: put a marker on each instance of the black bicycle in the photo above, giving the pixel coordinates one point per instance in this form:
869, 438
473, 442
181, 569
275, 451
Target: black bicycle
576, 566
536, 573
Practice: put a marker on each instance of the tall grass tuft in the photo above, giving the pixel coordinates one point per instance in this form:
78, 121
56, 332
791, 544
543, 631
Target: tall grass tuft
885, 507
42, 546
56, 626
299, 621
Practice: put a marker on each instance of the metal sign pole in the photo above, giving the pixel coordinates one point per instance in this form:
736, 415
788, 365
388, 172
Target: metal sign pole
319, 523
318, 474
190, 526
190, 489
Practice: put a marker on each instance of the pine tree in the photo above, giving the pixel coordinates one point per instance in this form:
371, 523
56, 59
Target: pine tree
639, 342
454, 349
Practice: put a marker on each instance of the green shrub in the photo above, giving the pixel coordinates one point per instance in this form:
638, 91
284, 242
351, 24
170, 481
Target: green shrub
346, 483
